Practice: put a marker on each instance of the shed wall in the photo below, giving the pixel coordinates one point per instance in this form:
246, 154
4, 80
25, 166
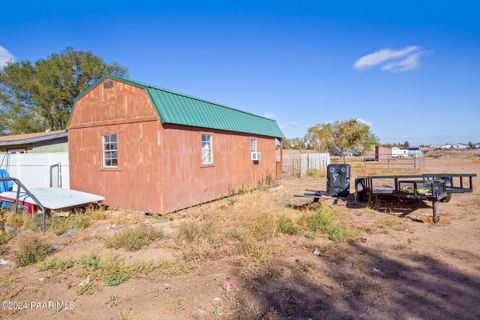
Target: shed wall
187, 182
160, 166
126, 111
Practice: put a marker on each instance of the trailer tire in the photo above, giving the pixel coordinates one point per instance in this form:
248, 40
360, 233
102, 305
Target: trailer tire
360, 196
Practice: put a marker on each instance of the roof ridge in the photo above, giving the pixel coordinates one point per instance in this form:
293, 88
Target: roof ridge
184, 95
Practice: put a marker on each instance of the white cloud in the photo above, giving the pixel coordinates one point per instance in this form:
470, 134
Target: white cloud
293, 123
5, 57
270, 115
409, 63
394, 61
290, 124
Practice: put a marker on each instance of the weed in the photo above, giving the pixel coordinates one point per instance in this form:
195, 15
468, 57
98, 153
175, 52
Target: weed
113, 301
263, 227
387, 224
270, 182
125, 316
134, 239
16, 220
31, 249
286, 226
59, 225
56, 264
90, 262
176, 267
325, 221
4, 237
114, 272
315, 173
85, 289
190, 232
97, 214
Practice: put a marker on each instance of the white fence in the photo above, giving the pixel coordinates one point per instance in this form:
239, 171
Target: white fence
36, 170
298, 164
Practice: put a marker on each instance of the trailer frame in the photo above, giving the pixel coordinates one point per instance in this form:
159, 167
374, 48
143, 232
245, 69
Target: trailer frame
436, 187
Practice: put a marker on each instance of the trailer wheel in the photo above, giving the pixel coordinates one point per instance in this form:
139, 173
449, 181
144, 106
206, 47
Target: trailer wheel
447, 198
360, 196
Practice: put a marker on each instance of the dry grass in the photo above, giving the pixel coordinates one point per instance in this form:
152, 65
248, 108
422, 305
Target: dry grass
315, 173
55, 264
245, 231
134, 239
31, 249
389, 223
4, 237
55, 224
113, 270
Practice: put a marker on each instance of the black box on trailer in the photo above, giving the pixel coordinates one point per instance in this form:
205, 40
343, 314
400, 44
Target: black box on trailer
338, 180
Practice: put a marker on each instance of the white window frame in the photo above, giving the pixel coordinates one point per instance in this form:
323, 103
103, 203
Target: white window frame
203, 148
104, 151
253, 141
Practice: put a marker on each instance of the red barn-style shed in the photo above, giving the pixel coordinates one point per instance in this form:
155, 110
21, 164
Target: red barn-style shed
151, 149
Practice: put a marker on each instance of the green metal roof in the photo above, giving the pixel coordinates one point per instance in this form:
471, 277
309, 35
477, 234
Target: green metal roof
178, 108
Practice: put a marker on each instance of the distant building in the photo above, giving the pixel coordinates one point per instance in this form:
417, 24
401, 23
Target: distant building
51, 141
405, 152
445, 147
382, 153
460, 146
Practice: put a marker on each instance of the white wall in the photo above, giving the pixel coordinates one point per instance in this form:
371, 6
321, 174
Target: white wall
33, 169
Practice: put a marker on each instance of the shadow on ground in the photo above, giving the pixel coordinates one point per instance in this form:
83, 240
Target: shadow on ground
355, 282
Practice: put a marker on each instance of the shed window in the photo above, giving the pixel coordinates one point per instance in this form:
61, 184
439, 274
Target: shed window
207, 149
253, 145
110, 151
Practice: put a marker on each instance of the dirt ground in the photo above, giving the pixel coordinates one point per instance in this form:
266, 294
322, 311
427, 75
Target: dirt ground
393, 268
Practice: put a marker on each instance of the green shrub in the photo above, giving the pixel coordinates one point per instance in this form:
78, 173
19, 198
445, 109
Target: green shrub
30, 250
134, 239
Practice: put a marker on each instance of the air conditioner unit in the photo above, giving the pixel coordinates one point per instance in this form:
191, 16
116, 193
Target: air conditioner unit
256, 156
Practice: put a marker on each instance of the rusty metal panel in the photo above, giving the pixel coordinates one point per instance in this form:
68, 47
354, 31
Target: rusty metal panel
189, 182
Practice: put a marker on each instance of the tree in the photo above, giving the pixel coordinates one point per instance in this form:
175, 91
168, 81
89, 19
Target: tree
340, 136
406, 144
39, 96
294, 143
318, 137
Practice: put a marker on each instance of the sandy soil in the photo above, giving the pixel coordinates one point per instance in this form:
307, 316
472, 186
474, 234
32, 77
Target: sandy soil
397, 268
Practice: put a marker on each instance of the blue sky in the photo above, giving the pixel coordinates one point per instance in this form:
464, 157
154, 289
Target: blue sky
299, 62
